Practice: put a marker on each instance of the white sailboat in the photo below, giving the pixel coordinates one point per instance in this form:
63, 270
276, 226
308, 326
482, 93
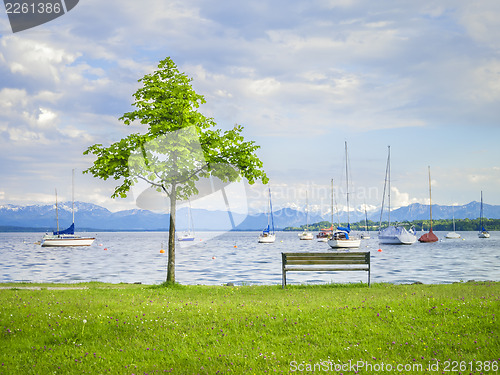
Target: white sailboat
342, 237
306, 235
189, 234
366, 235
453, 235
483, 233
67, 237
394, 235
268, 235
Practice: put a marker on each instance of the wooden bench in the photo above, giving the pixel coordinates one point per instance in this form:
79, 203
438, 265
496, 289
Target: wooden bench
332, 261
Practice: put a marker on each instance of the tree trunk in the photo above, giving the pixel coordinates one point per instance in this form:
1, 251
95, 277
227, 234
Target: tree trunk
171, 238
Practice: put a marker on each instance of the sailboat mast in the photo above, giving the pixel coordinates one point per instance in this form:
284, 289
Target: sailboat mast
73, 194
387, 171
57, 214
191, 218
332, 202
271, 208
366, 219
430, 195
307, 212
389, 177
481, 213
453, 211
347, 182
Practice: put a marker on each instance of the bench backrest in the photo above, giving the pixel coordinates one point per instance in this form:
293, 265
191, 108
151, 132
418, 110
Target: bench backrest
301, 259
332, 261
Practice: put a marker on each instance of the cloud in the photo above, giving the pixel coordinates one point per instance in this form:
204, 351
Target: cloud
401, 199
481, 21
298, 75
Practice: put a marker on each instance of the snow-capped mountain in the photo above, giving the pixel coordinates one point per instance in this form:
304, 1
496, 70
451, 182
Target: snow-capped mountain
92, 217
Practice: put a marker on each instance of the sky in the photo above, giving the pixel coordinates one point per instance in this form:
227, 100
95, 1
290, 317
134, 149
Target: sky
302, 78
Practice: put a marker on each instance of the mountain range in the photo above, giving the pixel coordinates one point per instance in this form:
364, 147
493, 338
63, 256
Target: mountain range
91, 217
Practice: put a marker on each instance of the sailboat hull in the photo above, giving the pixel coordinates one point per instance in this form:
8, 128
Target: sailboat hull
186, 238
428, 237
269, 238
483, 235
397, 236
66, 241
344, 243
452, 235
306, 236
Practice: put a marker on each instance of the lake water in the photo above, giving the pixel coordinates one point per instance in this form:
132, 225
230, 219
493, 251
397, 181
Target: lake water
219, 258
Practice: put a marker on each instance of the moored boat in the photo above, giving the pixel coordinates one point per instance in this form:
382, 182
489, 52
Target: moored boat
397, 235
453, 235
366, 234
65, 240
268, 235
342, 237
66, 237
483, 233
430, 236
189, 234
324, 234
306, 235
393, 235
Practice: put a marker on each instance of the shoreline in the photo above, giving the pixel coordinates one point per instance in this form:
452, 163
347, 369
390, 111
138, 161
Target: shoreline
85, 285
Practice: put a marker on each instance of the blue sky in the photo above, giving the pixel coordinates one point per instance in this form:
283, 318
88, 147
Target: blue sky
301, 77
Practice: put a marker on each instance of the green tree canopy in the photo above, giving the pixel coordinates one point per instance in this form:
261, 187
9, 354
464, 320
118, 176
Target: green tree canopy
180, 148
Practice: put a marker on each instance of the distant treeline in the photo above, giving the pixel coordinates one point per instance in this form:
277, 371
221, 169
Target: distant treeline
442, 224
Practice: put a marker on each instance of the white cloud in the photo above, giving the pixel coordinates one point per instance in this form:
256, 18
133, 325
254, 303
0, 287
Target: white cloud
481, 21
305, 77
401, 199
45, 117
264, 87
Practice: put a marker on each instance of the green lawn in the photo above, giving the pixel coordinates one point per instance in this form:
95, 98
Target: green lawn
138, 329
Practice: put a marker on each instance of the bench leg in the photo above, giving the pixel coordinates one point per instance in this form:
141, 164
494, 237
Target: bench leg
283, 272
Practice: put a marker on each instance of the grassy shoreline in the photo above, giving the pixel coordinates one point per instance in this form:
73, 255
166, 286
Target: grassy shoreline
101, 328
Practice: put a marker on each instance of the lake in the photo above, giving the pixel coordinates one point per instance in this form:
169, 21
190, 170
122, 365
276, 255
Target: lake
218, 258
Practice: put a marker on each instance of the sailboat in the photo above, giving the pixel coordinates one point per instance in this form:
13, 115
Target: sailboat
453, 235
268, 235
189, 234
325, 234
66, 237
483, 233
306, 235
394, 235
429, 237
366, 235
342, 237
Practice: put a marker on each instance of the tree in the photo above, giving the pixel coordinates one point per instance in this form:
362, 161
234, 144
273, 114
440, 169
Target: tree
180, 149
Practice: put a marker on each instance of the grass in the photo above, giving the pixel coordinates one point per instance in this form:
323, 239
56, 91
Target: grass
138, 329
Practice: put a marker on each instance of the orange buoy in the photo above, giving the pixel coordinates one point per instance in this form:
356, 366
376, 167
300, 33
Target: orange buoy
105, 248
235, 246
379, 250
162, 251
213, 257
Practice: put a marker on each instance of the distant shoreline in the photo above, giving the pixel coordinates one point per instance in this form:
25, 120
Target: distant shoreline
12, 229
